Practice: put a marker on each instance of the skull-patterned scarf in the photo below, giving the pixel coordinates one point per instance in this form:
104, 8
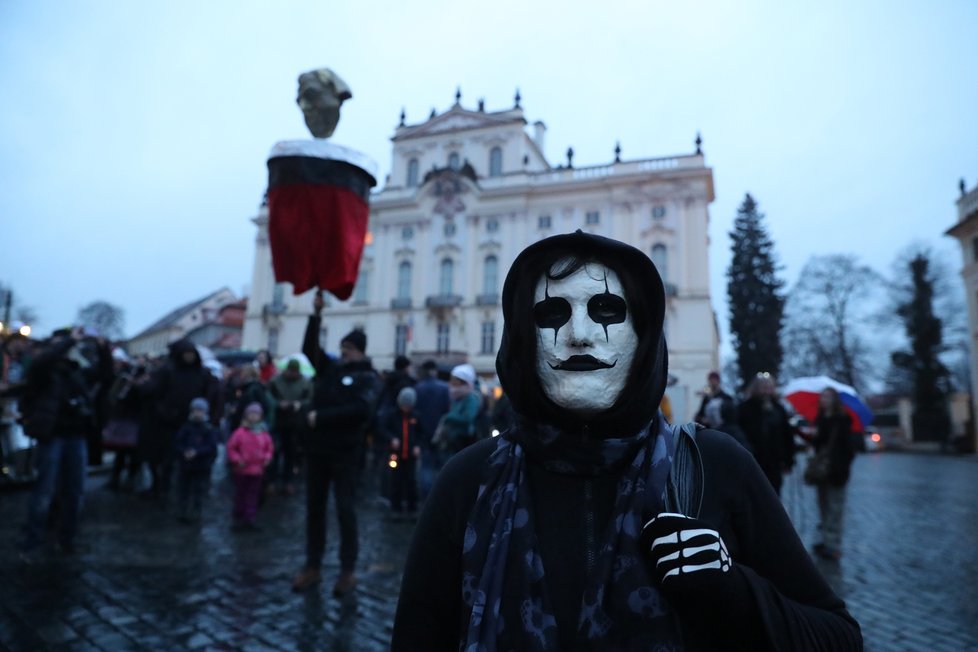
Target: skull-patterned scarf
506, 605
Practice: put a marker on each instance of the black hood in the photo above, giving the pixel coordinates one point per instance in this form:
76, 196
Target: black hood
516, 360
178, 348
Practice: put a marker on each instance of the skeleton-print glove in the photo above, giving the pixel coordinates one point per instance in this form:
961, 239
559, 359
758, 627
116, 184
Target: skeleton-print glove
686, 558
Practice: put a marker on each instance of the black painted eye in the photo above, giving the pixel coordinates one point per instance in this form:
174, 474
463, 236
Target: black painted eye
606, 309
552, 312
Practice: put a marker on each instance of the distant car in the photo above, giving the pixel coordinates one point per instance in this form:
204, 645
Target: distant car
873, 442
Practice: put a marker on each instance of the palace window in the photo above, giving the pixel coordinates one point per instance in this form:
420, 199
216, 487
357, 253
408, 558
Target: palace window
404, 280
407, 233
412, 173
446, 279
490, 275
495, 162
592, 218
492, 226
660, 258
400, 339
488, 337
543, 222
442, 345
454, 162
360, 290
658, 212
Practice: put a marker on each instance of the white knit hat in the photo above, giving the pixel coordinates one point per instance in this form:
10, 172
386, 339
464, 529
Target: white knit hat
465, 373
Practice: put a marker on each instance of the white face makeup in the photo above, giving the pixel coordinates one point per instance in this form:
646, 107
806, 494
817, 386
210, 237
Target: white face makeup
585, 339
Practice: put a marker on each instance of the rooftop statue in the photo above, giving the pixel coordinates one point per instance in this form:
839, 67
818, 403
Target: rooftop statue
321, 93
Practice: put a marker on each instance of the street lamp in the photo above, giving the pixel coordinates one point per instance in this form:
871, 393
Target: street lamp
25, 330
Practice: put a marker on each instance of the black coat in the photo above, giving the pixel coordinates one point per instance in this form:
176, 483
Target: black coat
168, 393
60, 398
344, 398
781, 601
835, 433
770, 436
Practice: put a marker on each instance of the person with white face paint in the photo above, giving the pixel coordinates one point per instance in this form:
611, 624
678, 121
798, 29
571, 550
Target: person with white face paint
564, 532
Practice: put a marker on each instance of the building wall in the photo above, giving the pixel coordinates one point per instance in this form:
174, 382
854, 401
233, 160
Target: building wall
155, 343
966, 231
645, 203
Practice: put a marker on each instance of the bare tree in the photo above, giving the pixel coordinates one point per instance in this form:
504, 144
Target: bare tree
17, 310
104, 318
833, 321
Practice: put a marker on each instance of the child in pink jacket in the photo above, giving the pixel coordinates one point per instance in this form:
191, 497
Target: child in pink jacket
249, 450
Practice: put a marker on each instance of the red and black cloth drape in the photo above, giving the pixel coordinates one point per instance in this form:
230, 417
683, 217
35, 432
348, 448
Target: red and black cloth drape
318, 197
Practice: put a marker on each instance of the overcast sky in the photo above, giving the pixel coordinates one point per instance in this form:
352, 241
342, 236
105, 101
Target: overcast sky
133, 135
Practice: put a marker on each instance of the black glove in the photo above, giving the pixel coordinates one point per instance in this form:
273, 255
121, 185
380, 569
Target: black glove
687, 558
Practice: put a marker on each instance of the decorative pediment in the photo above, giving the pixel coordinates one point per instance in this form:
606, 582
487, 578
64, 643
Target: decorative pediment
457, 119
448, 249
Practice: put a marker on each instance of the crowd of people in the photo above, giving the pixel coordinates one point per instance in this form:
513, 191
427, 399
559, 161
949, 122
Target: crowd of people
165, 421
762, 424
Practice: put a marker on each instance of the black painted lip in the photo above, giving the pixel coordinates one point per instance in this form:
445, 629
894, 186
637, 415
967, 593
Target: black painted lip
582, 363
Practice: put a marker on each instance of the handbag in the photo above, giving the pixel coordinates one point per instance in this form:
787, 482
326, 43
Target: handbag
819, 467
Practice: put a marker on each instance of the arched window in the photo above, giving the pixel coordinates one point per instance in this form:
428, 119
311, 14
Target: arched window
447, 278
490, 275
454, 162
412, 175
660, 258
404, 280
495, 162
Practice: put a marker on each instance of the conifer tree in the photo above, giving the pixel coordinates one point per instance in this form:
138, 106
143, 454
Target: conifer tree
754, 294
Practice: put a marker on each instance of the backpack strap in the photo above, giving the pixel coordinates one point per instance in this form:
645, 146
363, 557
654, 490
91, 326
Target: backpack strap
686, 481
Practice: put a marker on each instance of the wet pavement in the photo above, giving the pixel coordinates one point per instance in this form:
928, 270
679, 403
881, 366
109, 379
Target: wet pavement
143, 581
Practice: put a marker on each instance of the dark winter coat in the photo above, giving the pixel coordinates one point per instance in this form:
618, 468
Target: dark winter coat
432, 404
61, 399
402, 427
254, 391
344, 399
835, 433
201, 437
168, 393
778, 600
771, 438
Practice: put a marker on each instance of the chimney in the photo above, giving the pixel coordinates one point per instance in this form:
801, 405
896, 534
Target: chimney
539, 131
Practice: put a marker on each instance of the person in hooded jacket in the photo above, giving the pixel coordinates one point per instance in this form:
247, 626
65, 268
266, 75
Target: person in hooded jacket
556, 535
169, 391
59, 407
767, 428
343, 407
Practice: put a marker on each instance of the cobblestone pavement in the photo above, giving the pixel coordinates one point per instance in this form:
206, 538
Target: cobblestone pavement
909, 569
143, 581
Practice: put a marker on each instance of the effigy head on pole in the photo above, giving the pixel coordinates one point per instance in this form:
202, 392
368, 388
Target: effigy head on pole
321, 93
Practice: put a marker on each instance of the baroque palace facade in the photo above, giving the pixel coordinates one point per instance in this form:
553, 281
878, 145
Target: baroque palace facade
467, 191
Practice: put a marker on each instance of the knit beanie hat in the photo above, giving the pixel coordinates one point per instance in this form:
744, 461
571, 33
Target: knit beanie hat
465, 373
357, 338
200, 403
407, 397
255, 407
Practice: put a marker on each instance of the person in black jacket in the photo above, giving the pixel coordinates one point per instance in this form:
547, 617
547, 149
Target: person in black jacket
168, 392
764, 421
534, 540
343, 404
833, 432
60, 412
